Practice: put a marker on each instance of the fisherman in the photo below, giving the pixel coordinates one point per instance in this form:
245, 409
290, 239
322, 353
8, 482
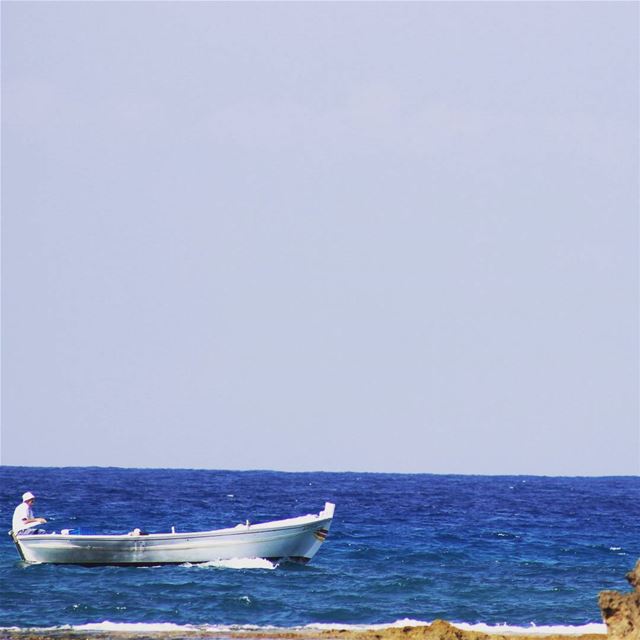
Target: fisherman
24, 522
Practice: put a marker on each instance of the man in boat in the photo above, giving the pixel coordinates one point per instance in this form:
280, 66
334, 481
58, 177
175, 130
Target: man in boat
24, 523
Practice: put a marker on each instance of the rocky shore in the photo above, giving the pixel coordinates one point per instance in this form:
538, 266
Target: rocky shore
439, 630
620, 611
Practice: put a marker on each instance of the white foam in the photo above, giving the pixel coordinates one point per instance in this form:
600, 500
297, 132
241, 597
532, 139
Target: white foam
235, 563
500, 629
130, 627
534, 630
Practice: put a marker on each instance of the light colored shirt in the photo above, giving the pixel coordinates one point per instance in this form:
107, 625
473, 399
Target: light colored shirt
22, 513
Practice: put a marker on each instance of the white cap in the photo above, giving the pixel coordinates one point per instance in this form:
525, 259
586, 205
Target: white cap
27, 496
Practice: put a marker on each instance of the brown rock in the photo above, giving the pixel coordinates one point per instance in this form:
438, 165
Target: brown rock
634, 576
621, 611
441, 630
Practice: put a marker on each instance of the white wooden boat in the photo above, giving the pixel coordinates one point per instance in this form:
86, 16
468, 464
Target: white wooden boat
294, 539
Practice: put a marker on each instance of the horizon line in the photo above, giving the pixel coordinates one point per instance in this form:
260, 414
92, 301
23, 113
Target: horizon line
346, 471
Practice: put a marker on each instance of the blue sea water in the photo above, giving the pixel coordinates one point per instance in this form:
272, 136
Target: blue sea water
497, 550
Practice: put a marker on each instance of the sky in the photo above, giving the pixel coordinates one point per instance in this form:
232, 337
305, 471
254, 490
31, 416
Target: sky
342, 236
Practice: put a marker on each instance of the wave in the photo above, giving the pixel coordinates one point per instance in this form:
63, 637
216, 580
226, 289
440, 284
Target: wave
498, 629
234, 563
534, 630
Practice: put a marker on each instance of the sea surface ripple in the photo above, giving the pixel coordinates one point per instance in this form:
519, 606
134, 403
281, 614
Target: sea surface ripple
496, 550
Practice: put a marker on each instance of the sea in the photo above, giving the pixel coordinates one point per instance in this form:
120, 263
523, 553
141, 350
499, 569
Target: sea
501, 553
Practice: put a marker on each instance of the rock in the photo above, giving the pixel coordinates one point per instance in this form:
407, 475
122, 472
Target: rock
621, 611
442, 630
634, 576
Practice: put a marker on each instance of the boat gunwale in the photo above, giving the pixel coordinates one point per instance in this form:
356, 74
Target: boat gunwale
238, 530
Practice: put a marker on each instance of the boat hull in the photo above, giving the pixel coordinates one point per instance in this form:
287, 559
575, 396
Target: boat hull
295, 539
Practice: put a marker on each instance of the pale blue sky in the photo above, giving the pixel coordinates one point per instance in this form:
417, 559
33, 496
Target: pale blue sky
336, 236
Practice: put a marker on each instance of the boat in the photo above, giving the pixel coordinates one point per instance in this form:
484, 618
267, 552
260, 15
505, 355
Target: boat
293, 539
